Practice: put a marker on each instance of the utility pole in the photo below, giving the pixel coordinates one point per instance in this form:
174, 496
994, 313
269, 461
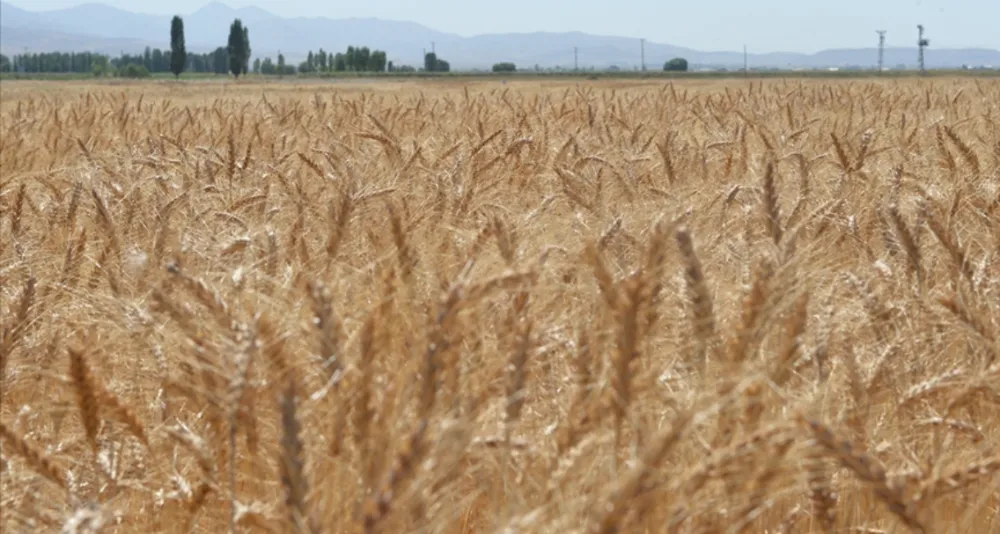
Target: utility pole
432, 48
576, 59
746, 64
921, 44
643, 45
881, 49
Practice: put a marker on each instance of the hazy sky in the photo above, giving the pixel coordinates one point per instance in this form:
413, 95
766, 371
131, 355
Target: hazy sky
764, 25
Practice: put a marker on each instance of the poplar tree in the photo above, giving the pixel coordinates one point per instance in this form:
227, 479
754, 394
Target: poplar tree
237, 48
178, 52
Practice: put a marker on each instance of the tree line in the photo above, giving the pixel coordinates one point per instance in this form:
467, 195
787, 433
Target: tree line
160, 61
234, 58
354, 59
80, 62
153, 60
270, 68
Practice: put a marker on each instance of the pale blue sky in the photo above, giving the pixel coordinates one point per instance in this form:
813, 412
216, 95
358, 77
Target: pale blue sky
764, 25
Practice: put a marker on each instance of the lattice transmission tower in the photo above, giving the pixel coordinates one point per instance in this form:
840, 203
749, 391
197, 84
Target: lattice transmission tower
881, 50
921, 45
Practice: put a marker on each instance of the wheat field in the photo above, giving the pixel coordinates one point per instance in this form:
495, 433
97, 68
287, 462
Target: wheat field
606, 306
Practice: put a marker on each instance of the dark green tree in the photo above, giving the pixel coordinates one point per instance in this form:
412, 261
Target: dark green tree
220, 61
267, 67
99, 65
281, 64
246, 50
432, 63
377, 61
256, 66
132, 70
158, 64
678, 64
178, 51
236, 48
504, 67
350, 58
361, 57
201, 62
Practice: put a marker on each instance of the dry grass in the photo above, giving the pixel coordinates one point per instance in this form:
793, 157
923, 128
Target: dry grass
610, 307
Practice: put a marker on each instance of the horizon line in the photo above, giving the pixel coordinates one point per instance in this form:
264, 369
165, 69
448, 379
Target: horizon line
749, 49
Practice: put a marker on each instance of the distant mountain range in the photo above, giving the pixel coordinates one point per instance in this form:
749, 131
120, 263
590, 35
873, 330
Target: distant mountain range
100, 28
